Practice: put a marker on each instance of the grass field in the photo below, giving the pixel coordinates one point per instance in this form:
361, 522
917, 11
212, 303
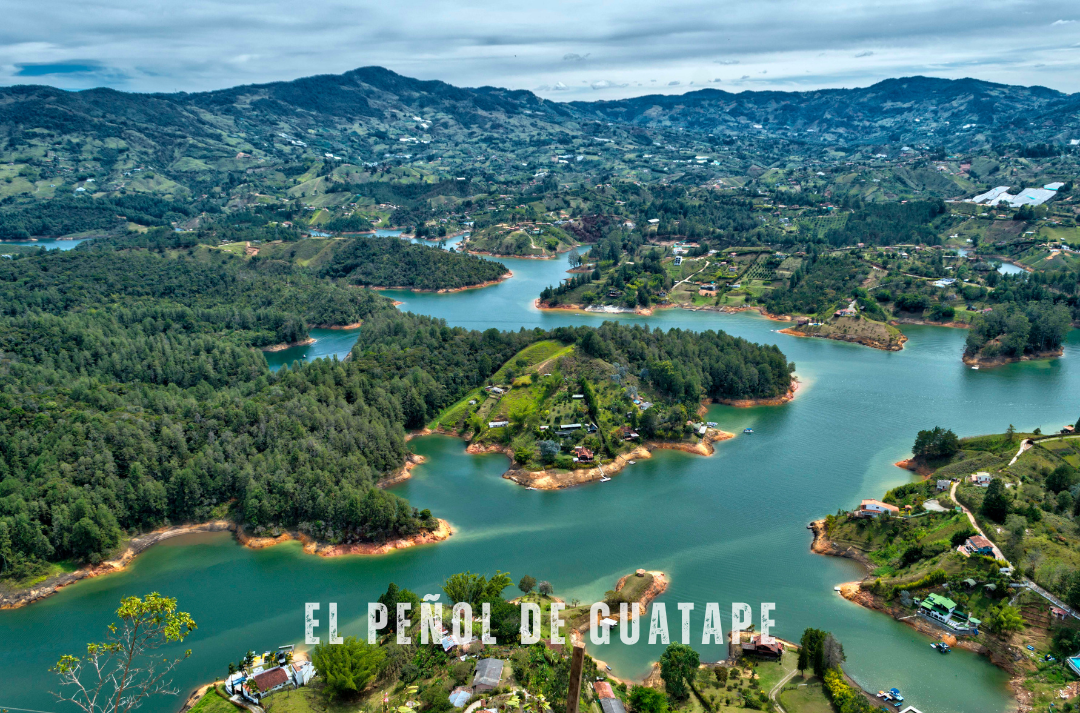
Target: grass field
212, 702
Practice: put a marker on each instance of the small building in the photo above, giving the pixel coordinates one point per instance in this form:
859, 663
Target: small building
488, 673
979, 545
944, 484
569, 426
874, 508
603, 690
757, 648
498, 424
678, 259
459, 697
583, 453
937, 607
612, 705
982, 479
265, 683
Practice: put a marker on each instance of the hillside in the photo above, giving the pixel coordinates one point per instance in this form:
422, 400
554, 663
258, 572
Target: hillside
202, 145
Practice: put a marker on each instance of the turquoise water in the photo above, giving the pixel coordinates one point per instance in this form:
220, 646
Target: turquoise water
731, 527
328, 343
50, 243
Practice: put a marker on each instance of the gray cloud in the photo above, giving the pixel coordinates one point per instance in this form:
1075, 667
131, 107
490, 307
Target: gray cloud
207, 44
867, 53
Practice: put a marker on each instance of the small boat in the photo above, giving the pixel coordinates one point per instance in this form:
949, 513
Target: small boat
631, 462
748, 430
530, 488
605, 479
895, 693
976, 367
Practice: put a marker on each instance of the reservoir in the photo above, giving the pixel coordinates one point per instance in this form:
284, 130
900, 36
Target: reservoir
727, 528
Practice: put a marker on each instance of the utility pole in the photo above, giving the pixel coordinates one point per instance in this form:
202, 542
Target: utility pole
573, 696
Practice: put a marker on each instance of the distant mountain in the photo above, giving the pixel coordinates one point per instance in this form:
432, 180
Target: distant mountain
194, 144
921, 109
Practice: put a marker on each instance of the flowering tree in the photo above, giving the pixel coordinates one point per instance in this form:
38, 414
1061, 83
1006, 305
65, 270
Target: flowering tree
120, 673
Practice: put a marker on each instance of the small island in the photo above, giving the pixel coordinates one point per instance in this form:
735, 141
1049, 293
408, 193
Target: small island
979, 554
583, 405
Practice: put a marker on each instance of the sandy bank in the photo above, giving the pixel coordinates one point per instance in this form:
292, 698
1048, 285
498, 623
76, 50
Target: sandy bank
312, 547
561, 479
354, 325
283, 347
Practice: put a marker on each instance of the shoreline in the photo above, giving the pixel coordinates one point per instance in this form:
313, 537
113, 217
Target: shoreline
354, 325
287, 345
863, 341
443, 290
853, 592
561, 480
792, 392
984, 363
18, 598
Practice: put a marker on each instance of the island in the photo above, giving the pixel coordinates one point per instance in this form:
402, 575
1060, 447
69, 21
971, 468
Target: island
582, 404
979, 553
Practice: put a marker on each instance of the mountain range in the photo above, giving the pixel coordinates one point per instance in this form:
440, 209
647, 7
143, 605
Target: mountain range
373, 115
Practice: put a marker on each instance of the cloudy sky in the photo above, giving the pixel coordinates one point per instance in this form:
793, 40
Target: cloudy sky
561, 49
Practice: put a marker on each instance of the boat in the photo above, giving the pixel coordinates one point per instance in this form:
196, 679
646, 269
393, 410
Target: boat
530, 488
942, 647
895, 693
605, 479
976, 367
748, 430
631, 462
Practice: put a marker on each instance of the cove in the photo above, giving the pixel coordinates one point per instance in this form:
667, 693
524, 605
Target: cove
726, 528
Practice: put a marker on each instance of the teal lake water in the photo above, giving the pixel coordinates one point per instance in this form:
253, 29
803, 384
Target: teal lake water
731, 527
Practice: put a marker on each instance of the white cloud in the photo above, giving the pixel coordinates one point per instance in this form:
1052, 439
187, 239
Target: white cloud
207, 44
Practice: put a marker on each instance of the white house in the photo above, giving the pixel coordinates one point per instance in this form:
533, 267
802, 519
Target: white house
874, 508
498, 424
982, 479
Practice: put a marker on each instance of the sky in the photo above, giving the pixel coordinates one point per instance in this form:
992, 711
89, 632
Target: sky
560, 49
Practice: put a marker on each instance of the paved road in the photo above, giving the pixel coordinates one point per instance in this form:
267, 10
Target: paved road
998, 554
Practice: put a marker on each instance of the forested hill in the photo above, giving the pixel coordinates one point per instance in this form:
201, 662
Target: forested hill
391, 262
130, 397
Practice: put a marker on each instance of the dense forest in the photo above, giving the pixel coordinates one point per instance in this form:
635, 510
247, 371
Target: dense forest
64, 216
131, 397
909, 222
392, 262
818, 285
1012, 330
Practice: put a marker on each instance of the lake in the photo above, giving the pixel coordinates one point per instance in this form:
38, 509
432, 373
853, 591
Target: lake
728, 528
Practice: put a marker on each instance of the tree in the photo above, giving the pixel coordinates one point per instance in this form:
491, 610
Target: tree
996, 504
120, 673
1011, 433
936, 443
1005, 619
391, 599
678, 665
545, 588
647, 700
347, 668
811, 651
526, 584
1062, 478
